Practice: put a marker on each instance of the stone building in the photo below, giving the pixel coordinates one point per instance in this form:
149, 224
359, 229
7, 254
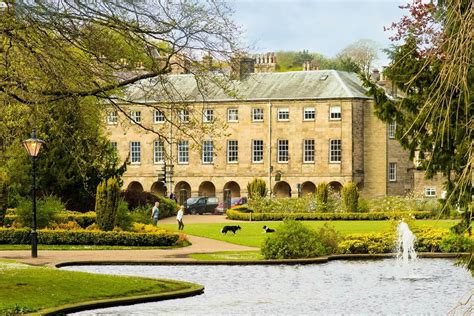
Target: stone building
292, 129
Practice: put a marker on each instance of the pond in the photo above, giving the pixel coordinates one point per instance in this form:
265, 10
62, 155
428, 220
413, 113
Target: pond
428, 286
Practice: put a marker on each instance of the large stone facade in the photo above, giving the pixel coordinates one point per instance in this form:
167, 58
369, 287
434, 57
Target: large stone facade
365, 147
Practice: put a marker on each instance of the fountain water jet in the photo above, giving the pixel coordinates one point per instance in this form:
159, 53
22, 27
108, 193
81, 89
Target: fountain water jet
406, 243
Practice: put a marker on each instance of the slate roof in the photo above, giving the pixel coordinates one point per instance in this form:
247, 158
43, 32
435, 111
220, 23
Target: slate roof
297, 85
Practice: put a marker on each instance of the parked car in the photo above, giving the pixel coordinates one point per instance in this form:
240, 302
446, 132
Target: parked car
201, 205
233, 203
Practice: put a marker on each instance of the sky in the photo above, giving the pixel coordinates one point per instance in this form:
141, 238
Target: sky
323, 26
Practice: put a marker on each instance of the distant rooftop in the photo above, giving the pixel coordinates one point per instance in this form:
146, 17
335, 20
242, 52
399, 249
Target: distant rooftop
297, 85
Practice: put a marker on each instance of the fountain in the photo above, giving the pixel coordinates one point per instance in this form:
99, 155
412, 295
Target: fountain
406, 243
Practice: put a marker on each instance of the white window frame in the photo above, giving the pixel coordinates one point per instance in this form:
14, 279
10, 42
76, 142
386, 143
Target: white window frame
207, 152
257, 151
309, 148
158, 152
135, 153
184, 116
232, 151
283, 146
311, 111
208, 115
283, 114
430, 192
392, 171
392, 128
158, 117
335, 151
112, 117
259, 112
232, 115
114, 146
183, 152
335, 112
136, 117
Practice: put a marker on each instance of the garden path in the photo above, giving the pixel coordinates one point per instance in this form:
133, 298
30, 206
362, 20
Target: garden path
199, 245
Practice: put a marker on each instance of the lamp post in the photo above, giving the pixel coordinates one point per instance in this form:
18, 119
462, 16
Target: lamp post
33, 146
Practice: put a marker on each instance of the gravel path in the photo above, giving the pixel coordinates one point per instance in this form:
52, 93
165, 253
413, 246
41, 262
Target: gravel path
199, 245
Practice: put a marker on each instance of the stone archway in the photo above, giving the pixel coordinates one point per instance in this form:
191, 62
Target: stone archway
282, 189
207, 188
234, 188
135, 186
182, 190
158, 188
335, 187
308, 187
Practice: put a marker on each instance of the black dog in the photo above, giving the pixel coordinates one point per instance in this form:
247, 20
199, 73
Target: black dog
268, 229
233, 229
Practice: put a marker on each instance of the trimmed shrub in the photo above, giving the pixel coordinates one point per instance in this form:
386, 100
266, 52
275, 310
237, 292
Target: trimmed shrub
82, 219
3, 196
293, 240
368, 243
257, 188
142, 214
322, 193
236, 215
350, 197
107, 200
138, 198
86, 237
456, 243
123, 219
47, 209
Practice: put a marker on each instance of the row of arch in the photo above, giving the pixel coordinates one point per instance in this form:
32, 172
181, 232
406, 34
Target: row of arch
207, 188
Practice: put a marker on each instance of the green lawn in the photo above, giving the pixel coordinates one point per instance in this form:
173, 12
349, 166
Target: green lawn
251, 233
228, 255
78, 247
25, 288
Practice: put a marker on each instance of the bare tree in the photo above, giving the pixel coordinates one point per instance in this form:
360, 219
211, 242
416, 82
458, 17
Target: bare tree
363, 53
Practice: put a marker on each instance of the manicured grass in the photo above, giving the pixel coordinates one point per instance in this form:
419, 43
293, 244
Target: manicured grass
228, 255
252, 233
25, 288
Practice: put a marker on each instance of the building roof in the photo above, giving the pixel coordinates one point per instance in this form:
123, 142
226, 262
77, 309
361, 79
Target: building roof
296, 85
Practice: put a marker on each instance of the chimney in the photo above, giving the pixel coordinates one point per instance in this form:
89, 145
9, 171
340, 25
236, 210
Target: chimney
375, 76
241, 66
207, 62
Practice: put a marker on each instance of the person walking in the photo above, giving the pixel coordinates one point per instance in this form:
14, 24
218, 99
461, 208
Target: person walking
179, 218
155, 213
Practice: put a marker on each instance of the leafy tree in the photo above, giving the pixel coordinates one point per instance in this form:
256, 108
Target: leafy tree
363, 53
257, 188
433, 67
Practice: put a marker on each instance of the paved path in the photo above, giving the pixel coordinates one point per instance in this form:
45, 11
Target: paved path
190, 219
199, 245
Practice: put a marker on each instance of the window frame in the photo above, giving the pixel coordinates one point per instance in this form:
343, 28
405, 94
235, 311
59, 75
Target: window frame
112, 119
305, 111
155, 121
207, 152
232, 151
253, 112
306, 150
135, 155
333, 150
331, 112
280, 155
254, 151
392, 172
183, 116
236, 114
134, 115
430, 190
392, 129
183, 152
156, 145
206, 117
286, 112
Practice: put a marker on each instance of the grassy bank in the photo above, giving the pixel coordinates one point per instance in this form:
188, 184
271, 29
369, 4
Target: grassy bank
26, 289
251, 233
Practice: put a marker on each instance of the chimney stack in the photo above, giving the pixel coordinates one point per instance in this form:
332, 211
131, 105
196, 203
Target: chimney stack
241, 66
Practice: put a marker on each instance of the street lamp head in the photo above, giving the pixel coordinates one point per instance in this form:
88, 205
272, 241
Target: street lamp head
33, 145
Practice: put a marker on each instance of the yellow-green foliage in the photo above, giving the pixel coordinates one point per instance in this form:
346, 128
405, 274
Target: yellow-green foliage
322, 193
350, 197
257, 188
3, 195
107, 201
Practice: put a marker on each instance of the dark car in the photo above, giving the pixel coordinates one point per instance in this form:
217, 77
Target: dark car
201, 205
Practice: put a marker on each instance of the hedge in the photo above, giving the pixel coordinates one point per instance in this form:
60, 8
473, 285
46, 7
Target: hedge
378, 216
83, 237
83, 219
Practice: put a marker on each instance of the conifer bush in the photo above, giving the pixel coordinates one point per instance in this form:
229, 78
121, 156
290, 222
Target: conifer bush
107, 201
350, 197
322, 193
257, 188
